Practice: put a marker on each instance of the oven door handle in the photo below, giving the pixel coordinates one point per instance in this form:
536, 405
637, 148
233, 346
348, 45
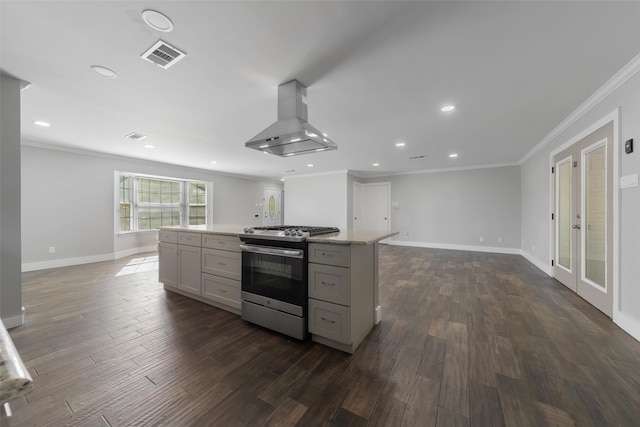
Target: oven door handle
289, 253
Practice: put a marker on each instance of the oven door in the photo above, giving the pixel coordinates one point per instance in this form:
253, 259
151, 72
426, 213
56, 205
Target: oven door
277, 273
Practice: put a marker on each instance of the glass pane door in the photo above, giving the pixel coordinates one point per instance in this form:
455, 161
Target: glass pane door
595, 208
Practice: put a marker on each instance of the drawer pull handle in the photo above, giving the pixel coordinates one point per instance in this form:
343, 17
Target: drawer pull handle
223, 291
221, 263
222, 243
328, 283
327, 320
327, 255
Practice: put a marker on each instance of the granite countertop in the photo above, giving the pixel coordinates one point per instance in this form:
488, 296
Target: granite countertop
352, 237
345, 237
15, 380
221, 229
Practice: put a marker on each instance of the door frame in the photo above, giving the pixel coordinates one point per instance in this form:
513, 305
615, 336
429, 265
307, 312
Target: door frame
614, 117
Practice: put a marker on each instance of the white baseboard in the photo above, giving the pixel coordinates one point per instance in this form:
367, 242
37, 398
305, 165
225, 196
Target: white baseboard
627, 323
497, 250
14, 322
66, 262
545, 267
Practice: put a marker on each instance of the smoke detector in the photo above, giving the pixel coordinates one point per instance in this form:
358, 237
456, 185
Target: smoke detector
163, 54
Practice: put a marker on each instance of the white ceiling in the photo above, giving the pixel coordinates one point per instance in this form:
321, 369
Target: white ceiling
377, 73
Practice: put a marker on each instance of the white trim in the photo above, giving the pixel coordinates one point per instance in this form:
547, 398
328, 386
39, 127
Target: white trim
497, 250
441, 170
628, 324
310, 175
85, 152
545, 267
66, 262
15, 321
620, 78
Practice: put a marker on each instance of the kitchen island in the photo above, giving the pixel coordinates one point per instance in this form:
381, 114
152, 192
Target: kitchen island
205, 263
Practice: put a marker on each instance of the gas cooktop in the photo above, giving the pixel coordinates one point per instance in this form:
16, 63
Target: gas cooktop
290, 233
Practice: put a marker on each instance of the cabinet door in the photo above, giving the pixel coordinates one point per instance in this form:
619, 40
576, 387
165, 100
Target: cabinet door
189, 271
168, 254
222, 290
330, 321
222, 263
337, 255
329, 283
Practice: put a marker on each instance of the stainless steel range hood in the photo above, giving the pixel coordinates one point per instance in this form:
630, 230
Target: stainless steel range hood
291, 134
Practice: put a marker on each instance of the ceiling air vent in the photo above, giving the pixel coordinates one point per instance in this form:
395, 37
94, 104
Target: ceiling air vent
135, 136
163, 54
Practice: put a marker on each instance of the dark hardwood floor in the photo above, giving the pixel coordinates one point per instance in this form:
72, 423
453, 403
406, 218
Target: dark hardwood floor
466, 339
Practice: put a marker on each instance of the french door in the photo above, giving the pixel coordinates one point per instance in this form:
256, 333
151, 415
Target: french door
583, 218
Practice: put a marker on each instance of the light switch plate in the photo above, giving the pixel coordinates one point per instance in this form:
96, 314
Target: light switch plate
629, 181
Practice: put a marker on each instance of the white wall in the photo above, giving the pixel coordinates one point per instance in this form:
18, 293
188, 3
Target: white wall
317, 200
536, 207
68, 201
454, 209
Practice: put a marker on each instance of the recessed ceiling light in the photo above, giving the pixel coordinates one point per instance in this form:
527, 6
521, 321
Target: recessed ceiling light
213, 162
149, 146
400, 144
375, 164
41, 123
310, 165
157, 21
453, 155
281, 179
448, 108
104, 71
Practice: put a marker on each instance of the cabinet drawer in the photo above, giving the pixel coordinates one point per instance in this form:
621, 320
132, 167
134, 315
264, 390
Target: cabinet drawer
329, 254
329, 283
191, 239
216, 241
168, 236
224, 291
222, 263
330, 321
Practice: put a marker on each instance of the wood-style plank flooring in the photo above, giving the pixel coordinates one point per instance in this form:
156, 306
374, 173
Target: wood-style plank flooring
466, 339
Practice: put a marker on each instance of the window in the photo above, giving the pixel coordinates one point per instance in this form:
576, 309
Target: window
148, 203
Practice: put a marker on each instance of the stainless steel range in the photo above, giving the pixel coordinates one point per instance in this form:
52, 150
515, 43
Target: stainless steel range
274, 277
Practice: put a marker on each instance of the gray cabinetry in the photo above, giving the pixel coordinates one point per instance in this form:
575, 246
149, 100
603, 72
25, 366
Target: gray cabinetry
203, 266
341, 304
179, 258
221, 271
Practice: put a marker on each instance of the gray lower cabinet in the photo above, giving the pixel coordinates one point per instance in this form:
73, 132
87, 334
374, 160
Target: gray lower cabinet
179, 258
341, 304
204, 266
189, 266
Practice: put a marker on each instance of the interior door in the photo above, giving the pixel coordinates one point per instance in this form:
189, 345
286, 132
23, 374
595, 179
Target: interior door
375, 207
583, 218
357, 206
271, 206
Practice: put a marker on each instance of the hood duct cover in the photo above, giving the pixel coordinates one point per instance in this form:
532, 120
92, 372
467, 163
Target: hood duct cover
291, 134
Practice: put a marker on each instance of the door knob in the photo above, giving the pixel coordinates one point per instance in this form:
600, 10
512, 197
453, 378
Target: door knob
576, 226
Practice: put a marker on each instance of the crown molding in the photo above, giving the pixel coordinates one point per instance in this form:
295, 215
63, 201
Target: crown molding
620, 78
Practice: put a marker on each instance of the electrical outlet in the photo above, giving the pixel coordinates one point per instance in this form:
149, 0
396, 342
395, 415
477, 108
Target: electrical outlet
481, 239
52, 249
499, 239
